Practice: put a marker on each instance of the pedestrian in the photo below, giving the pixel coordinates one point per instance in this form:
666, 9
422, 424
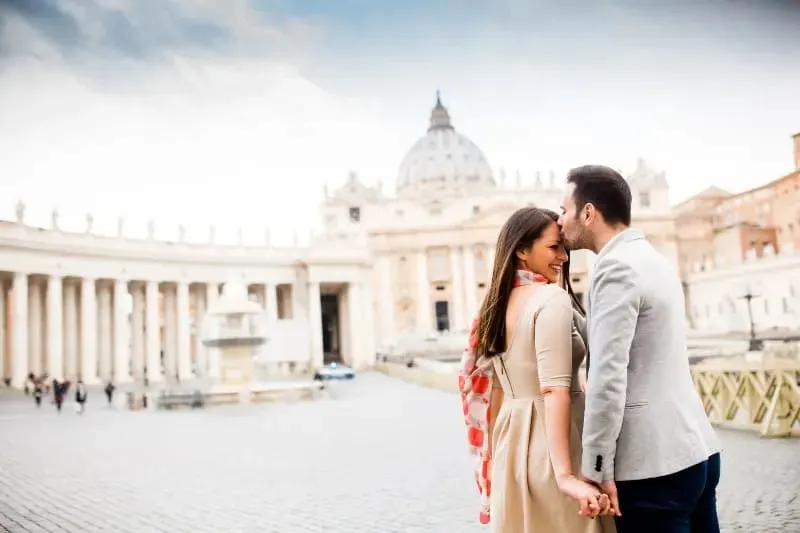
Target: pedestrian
109, 390
37, 394
58, 394
80, 396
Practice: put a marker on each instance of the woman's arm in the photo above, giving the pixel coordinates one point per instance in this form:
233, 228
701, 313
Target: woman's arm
495, 402
553, 341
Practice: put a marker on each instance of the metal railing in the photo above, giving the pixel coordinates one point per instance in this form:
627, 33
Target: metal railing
760, 394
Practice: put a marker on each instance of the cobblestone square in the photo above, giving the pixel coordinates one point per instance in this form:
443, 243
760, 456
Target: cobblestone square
381, 455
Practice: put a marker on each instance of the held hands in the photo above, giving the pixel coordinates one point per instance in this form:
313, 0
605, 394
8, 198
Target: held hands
592, 501
608, 488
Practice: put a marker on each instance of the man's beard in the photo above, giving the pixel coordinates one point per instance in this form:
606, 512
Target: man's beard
581, 241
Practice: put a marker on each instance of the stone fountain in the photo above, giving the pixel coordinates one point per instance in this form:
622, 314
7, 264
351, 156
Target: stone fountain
234, 331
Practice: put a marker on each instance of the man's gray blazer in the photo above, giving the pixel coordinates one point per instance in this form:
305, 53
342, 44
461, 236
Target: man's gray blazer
643, 416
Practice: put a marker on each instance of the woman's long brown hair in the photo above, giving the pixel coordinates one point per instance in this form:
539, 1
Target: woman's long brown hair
520, 231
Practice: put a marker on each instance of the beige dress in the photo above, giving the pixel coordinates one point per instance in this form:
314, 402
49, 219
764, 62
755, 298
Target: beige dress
546, 350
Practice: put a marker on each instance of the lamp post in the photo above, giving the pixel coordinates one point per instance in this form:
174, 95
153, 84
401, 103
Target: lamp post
754, 344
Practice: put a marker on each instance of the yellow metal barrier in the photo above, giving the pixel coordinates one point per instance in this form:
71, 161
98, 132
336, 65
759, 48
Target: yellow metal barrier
761, 396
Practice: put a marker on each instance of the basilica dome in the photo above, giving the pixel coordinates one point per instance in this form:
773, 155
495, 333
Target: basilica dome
443, 160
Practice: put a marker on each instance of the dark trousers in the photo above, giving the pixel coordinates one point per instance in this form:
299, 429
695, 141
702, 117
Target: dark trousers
683, 502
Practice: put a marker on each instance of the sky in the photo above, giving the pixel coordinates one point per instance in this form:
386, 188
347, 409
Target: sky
201, 112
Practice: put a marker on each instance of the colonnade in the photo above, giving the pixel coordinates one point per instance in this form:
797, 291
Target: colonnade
116, 330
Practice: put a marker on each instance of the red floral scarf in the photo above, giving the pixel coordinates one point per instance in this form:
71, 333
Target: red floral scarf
475, 379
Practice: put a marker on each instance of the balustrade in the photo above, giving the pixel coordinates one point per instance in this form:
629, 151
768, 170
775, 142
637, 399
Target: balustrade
761, 396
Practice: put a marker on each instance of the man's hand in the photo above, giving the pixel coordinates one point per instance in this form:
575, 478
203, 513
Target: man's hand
609, 488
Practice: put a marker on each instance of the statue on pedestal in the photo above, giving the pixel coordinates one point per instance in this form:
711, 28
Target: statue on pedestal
20, 212
518, 179
54, 219
120, 227
181, 233
552, 179
151, 229
89, 222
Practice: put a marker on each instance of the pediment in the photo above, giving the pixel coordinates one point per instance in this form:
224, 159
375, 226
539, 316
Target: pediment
493, 216
355, 190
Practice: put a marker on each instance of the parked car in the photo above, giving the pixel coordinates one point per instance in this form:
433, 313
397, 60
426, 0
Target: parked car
334, 371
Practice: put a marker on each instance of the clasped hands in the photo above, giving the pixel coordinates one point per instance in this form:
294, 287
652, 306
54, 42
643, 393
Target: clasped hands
594, 499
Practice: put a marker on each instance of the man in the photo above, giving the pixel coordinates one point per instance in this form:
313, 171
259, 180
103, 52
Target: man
647, 441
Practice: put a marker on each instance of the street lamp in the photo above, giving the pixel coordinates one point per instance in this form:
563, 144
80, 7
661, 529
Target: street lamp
755, 344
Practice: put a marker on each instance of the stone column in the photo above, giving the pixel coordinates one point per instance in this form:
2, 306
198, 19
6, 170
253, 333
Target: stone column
55, 328
137, 332
170, 334
4, 368
19, 323
212, 354
424, 315
153, 333
355, 324
457, 290
369, 333
106, 346
470, 285
388, 326
122, 333
71, 347
200, 360
184, 332
88, 367
35, 320
271, 306
315, 325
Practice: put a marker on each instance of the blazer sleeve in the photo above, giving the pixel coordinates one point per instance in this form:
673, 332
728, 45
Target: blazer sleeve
615, 301
579, 321
552, 340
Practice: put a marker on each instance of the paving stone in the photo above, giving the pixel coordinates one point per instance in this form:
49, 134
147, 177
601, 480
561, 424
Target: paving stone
380, 456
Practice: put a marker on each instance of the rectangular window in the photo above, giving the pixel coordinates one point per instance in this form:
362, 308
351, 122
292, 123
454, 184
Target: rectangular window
355, 214
644, 199
442, 316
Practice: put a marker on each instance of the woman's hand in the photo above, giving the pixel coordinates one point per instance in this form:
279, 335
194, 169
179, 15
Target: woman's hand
592, 502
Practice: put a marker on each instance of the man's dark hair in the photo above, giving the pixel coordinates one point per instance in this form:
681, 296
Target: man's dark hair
605, 189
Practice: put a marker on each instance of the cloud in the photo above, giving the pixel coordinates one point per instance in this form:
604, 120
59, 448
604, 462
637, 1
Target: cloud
236, 109
147, 29
188, 111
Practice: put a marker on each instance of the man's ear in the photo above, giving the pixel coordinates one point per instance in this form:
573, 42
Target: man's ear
589, 213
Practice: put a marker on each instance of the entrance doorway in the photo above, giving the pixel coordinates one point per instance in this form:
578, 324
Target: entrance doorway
331, 329
442, 316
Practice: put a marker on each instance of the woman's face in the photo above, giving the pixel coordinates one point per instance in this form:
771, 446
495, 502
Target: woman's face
547, 255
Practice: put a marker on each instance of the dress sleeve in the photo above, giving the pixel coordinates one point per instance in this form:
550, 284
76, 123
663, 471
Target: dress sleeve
553, 341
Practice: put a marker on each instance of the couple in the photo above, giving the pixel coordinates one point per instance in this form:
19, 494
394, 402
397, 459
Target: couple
635, 453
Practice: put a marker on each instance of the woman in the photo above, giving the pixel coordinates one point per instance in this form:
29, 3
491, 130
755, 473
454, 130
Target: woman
520, 389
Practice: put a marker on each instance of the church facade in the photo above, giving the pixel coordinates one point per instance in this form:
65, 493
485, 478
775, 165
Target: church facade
432, 242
